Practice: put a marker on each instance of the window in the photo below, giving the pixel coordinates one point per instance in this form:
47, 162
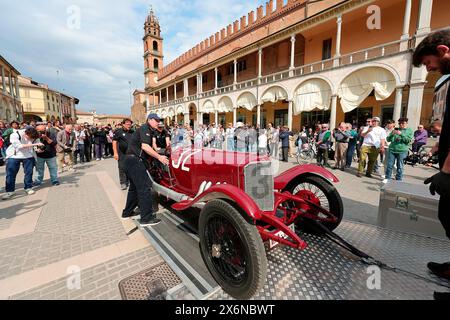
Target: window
281, 118
54, 107
359, 116
48, 105
242, 65
155, 46
27, 93
146, 46
326, 49
156, 64
387, 113
205, 78
311, 119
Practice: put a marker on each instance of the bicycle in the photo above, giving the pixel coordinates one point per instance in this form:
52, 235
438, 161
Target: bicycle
308, 152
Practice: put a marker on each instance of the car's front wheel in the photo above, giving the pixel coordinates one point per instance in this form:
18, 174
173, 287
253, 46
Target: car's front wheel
232, 249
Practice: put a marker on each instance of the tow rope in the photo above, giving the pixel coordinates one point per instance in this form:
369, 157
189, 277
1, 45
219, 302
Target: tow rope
364, 257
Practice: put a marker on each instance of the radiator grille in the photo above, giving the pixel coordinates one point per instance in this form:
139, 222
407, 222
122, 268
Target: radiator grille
259, 184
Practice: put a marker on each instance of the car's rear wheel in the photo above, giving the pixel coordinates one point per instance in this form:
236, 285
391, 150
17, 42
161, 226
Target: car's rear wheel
320, 192
232, 250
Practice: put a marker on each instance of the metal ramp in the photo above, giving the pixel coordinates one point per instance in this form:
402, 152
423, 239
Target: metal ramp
324, 271
177, 242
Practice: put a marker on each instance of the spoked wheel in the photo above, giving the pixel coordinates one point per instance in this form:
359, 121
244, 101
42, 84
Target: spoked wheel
320, 192
232, 249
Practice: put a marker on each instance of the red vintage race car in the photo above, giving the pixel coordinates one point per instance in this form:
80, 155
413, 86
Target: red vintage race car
245, 208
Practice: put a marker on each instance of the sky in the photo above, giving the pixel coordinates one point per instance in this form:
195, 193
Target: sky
92, 49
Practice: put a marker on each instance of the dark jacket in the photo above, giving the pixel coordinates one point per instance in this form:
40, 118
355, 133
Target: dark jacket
284, 138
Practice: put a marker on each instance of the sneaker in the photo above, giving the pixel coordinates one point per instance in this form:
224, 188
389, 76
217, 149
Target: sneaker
443, 296
97, 159
123, 187
56, 183
358, 175
148, 223
440, 269
368, 175
30, 192
8, 195
37, 184
134, 216
383, 176
385, 181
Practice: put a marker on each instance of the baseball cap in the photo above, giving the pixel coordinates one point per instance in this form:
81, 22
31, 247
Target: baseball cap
376, 119
153, 116
239, 125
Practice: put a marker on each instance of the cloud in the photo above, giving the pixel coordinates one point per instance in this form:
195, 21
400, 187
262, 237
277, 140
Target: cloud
96, 60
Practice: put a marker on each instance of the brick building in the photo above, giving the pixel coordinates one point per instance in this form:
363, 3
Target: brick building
300, 62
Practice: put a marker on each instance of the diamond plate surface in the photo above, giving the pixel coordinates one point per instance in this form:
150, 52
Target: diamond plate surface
325, 271
150, 284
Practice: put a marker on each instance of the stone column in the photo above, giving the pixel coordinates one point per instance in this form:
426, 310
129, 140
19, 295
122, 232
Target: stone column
338, 41
175, 91
258, 115
200, 118
16, 81
290, 113
167, 94
398, 103
11, 85
406, 23
424, 22
235, 72
415, 100
333, 111
200, 83
234, 117
186, 88
160, 96
292, 52
260, 51
3, 80
216, 118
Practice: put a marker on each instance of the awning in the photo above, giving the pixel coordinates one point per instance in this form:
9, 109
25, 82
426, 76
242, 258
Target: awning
225, 105
208, 107
247, 101
274, 94
360, 84
312, 94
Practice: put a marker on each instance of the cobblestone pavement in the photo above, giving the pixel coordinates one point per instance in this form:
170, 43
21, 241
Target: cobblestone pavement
77, 224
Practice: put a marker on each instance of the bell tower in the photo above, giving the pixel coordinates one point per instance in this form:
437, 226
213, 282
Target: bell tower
153, 50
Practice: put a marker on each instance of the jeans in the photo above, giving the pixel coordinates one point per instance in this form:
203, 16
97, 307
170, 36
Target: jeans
87, 152
391, 159
350, 151
80, 152
99, 150
370, 154
12, 168
52, 168
230, 144
139, 193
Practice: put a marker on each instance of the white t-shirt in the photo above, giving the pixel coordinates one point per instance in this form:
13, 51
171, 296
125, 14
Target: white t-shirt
16, 149
373, 139
262, 141
79, 135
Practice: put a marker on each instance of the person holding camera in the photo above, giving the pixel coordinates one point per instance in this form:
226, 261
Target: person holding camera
400, 139
46, 155
19, 152
342, 136
66, 144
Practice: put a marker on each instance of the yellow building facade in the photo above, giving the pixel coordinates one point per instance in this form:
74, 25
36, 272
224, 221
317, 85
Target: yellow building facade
300, 62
